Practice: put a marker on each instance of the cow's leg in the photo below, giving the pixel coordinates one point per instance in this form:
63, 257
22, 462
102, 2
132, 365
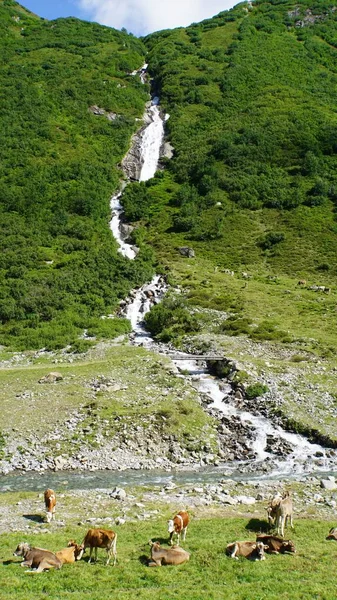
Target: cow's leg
26, 563
178, 539
108, 555
155, 563
90, 554
235, 549
96, 550
184, 533
291, 521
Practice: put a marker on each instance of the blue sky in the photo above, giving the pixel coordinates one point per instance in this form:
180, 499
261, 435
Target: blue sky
138, 16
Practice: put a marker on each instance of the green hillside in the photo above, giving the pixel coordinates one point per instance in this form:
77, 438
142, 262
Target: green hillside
59, 267
252, 186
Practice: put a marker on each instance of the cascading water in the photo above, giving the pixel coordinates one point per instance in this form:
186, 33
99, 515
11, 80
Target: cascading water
151, 142
304, 456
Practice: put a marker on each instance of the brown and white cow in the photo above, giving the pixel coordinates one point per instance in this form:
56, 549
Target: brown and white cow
178, 525
332, 534
171, 556
37, 558
250, 550
50, 502
101, 538
71, 554
275, 545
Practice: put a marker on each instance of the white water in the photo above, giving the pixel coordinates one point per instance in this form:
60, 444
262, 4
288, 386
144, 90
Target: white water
302, 459
152, 140
115, 225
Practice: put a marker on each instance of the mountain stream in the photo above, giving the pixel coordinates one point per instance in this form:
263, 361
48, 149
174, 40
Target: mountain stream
302, 458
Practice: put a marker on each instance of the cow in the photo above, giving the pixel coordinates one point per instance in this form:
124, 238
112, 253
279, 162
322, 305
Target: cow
50, 502
276, 545
250, 550
302, 282
332, 534
101, 538
37, 558
71, 554
171, 556
284, 511
272, 508
178, 525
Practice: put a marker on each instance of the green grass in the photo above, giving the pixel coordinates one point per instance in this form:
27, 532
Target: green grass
210, 574
140, 387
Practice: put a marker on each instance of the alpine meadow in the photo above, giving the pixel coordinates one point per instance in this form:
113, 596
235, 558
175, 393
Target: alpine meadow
168, 304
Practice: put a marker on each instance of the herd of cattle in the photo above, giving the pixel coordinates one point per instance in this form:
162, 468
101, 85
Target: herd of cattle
279, 510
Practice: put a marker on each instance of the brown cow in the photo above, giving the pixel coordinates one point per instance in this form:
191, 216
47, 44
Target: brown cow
101, 538
37, 558
50, 502
250, 550
171, 556
272, 508
178, 525
284, 511
332, 534
71, 554
275, 545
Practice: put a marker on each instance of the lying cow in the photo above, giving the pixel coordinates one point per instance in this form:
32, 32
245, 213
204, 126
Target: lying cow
178, 525
332, 534
37, 558
171, 556
250, 550
275, 545
71, 554
101, 538
50, 502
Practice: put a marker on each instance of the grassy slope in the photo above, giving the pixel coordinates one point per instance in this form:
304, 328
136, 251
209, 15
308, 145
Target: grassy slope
144, 387
249, 96
59, 267
209, 574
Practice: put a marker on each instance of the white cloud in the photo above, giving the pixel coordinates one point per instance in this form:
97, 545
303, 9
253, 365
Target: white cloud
144, 16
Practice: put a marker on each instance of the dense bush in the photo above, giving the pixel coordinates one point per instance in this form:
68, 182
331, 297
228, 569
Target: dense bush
59, 265
171, 318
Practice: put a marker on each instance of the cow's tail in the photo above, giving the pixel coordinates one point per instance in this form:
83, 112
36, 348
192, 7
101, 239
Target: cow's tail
114, 548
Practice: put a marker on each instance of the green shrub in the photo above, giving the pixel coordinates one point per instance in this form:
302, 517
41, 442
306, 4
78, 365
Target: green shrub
255, 390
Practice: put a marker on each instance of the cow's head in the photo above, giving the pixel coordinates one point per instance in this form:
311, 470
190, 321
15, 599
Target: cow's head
170, 526
21, 549
260, 547
78, 549
288, 546
154, 546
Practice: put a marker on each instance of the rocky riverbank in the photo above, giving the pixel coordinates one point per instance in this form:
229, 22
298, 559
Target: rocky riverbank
108, 507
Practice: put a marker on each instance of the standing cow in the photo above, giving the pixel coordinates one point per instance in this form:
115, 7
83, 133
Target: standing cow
50, 502
178, 525
101, 538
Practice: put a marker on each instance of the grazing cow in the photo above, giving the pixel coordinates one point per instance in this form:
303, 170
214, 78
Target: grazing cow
272, 508
284, 511
302, 282
71, 554
275, 545
37, 558
250, 550
171, 556
50, 502
101, 538
178, 525
332, 534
